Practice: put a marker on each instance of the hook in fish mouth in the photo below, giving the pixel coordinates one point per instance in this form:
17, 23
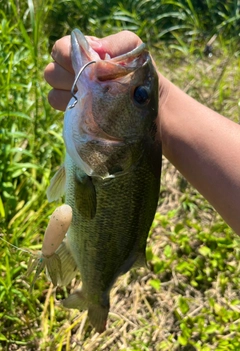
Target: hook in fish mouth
75, 82
80, 43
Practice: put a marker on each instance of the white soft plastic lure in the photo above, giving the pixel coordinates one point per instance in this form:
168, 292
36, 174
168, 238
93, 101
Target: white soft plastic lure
56, 230
54, 236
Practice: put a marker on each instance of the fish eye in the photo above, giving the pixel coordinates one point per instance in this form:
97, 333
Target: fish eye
141, 95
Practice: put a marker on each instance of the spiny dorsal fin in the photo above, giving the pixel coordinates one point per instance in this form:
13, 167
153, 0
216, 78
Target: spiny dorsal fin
56, 188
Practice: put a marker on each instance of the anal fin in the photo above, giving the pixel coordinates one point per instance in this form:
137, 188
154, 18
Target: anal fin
76, 300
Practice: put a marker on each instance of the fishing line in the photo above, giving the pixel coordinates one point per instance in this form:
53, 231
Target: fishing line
75, 82
17, 248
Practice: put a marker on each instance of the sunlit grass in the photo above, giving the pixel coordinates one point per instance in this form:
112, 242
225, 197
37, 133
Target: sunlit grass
189, 297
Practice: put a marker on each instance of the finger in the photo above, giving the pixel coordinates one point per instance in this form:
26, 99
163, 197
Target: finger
58, 77
61, 53
59, 99
115, 44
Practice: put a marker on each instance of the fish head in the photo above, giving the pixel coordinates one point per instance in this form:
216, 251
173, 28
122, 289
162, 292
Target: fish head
117, 106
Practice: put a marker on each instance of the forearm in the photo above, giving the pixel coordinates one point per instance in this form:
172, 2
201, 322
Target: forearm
205, 147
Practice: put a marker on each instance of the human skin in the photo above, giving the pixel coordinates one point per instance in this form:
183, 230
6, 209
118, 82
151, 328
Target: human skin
202, 144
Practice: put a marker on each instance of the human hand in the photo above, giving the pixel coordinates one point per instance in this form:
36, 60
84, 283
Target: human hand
60, 75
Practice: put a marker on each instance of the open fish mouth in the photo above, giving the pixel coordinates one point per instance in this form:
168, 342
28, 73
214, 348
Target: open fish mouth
109, 68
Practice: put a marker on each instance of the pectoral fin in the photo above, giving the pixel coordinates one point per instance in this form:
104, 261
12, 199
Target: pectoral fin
85, 200
56, 188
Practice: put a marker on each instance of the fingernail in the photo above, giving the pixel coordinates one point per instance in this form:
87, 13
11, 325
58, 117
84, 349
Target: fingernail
94, 42
53, 52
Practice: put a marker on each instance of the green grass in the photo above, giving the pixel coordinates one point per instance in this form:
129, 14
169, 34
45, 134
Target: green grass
189, 298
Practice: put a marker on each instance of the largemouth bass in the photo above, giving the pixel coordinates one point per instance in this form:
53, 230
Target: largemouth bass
111, 174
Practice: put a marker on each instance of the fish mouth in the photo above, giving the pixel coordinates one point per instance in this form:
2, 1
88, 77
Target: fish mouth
109, 68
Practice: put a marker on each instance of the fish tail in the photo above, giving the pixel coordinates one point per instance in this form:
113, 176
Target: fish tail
97, 313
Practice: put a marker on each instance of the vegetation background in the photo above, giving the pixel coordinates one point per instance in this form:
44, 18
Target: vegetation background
189, 298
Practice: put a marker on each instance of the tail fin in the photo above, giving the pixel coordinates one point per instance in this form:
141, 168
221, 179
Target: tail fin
98, 317
97, 313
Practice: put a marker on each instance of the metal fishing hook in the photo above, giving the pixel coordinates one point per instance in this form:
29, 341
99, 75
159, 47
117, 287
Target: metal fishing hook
75, 82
